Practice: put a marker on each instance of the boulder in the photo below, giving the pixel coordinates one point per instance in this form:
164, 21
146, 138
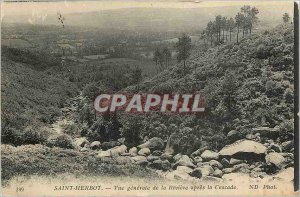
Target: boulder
157, 153
233, 135
287, 146
275, 158
184, 169
218, 173
95, 145
166, 156
205, 170
199, 151
160, 165
225, 162
177, 157
196, 173
152, 158
153, 144
79, 143
109, 145
215, 164
243, 148
139, 158
178, 175
133, 151
272, 133
102, 154
235, 161
228, 170
243, 167
276, 147
209, 155
116, 151
184, 161
198, 159
144, 152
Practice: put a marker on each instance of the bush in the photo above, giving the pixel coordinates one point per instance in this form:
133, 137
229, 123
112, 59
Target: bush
34, 137
262, 51
60, 140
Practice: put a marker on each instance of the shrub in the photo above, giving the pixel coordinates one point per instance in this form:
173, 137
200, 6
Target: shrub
262, 51
60, 140
32, 136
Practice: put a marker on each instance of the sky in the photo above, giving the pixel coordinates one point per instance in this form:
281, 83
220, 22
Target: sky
40, 10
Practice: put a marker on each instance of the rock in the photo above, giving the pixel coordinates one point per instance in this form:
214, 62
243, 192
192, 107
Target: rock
243, 167
80, 142
285, 175
198, 159
233, 135
288, 145
243, 148
178, 175
133, 151
205, 170
95, 145
144, 152
196, 173
250, 136
199, 151
267, 132
225, 162
177, 157
116, 151
215, 163
110, 145
161, 165
157, 153
209, 155
166, 156
275, 158
184, 161
153, 144
184, 169
276, 147
218, 173
152, 158
139, 158
235, 161
84, 149
211, 179
228, 170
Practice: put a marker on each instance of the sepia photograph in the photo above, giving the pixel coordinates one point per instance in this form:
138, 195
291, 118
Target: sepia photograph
149, 98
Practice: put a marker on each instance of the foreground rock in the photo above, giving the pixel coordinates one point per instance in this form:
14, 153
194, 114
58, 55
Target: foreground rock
116, 151
153, 144
209, 155
80, 142
276, 159
242, 147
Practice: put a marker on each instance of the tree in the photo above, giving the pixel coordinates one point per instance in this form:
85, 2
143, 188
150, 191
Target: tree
231, 26
218, 23
167, 55
203, 36
210, 31
249, 17
156, 56
239, 19
183, 46
286, 18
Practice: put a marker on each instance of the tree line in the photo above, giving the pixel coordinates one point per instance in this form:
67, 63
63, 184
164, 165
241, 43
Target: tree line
221, 29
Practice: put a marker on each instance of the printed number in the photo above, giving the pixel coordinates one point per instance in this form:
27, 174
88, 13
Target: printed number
20, 189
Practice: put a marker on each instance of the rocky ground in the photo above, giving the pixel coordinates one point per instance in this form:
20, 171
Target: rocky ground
254, 157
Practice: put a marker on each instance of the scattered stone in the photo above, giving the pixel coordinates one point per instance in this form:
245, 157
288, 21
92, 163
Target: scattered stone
198, 159
235, 161
80, 142
161, 165
153, 144
157, 153
144, 152
166, 156
233, 135
139, 158
184, 169
276, 147
184, 161
206, 170
177, 157
287, 146
110, 145
218, 173
209, 155
242, 147
95, 145
275, 158
215, 163
228, 170
196, 173
267, 132
152, 158
225, 162
133, 151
